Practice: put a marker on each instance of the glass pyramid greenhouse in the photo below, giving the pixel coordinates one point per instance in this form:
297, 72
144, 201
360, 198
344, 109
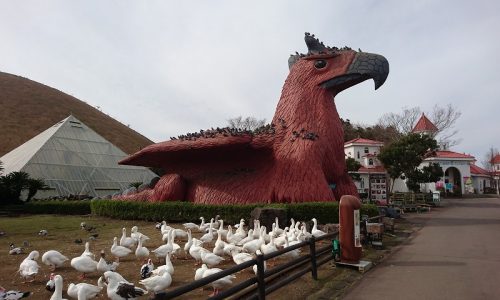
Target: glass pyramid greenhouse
73, 159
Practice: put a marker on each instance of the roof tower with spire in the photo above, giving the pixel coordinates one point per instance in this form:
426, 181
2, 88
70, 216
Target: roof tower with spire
424, 125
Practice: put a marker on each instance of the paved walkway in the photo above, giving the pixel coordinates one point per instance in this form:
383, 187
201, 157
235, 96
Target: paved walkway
456, 255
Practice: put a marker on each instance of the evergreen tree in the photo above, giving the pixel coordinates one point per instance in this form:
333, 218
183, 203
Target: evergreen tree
402, 159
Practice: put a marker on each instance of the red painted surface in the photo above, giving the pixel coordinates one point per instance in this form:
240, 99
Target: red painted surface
478, 170
451, 154
280, 166
363, 141
349, 253
424, 124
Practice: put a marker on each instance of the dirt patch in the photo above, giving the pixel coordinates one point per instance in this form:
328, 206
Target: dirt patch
64, 230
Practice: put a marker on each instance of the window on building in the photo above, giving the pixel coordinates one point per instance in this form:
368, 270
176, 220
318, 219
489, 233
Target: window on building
366, 150
370, 162
358, 154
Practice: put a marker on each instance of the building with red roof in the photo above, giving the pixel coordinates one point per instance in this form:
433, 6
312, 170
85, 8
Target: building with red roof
495, 162
373, 179
461, 175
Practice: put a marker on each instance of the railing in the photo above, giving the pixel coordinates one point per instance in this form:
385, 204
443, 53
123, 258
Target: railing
411, 200
265, 282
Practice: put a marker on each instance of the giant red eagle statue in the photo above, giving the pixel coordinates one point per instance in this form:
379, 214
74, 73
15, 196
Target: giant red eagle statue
299, 157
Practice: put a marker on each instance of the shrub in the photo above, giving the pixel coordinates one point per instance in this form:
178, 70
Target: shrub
325, 212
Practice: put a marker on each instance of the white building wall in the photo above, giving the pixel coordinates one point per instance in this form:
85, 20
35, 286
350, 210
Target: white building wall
352, 151
363, 184
399, 186
479, 182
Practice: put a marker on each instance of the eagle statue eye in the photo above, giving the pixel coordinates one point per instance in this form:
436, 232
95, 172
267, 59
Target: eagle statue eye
320, 64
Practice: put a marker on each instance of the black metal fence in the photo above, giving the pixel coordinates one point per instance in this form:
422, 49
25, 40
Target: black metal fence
266, 282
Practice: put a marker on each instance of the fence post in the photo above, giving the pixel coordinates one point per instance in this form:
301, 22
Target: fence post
260, 277
312, 253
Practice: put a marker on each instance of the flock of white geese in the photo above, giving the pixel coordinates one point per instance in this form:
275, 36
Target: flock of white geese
236, 243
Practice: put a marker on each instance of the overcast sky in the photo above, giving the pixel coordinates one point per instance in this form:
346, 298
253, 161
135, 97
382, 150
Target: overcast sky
171, 67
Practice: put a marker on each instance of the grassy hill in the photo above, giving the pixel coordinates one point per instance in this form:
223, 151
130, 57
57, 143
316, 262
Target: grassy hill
28, 108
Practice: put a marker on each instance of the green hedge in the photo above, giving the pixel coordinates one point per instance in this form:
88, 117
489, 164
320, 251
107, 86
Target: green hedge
325, 212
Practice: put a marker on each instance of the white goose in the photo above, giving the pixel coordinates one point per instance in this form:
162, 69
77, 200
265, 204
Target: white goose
247, 239
165, 228
219, 245
169, 247
157, 283
297, 226
141, 251
240, 258
216, 223
204, 226
103, 265
198, 274
219, 283
195, 251
120, 289
254, 245
84, 264
305, 234
315, 231
209, 258
87, 252
136, 235
179, 233
29, 267
230, 247
268, 248
126, 241
221, 229
280, 241
83, 291
208, 237
53, 259
277, 228
167, 267
119, 251
57, 295
291, 254
193, 226
232, 238
255, 269
188, 244
256, 229
240, 230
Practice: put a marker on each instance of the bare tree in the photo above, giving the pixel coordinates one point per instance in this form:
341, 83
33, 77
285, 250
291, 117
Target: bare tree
443, 117
248, 123
403, 122
487, 162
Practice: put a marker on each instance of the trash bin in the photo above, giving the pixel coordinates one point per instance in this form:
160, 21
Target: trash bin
436, 198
